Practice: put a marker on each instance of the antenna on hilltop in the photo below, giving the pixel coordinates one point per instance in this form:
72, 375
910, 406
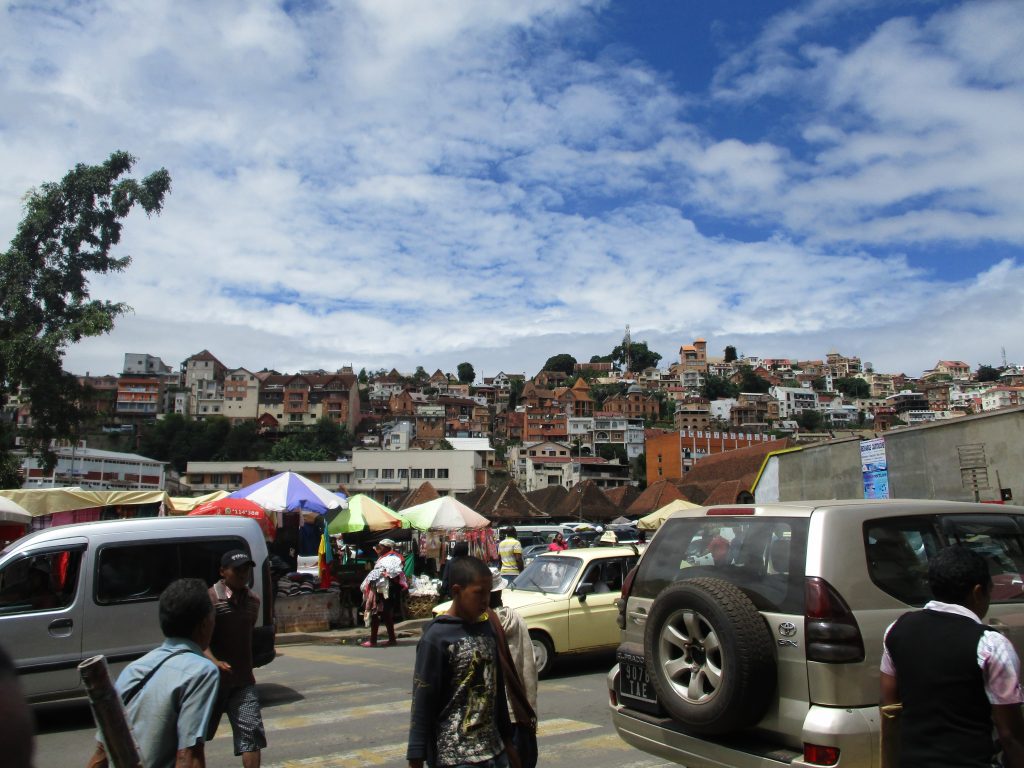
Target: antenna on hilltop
1004, 357
626, 345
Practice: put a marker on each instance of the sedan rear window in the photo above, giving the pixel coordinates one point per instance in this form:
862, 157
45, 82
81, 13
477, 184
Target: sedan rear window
763, 556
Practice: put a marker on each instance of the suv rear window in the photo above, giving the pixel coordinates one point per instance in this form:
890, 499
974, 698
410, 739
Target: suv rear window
763, 556
898, 550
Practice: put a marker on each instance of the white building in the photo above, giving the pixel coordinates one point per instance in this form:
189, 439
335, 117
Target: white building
391, 473
591, 432
722, 409
95, 470
794, 400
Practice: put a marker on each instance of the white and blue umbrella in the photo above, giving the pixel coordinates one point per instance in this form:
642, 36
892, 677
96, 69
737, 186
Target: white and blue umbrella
290, 491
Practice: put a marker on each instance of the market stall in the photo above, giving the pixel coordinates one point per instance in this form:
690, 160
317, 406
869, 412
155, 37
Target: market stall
653, 521
306, 599
437, 525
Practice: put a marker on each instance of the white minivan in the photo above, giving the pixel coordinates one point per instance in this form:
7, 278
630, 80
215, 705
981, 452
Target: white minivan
74, 591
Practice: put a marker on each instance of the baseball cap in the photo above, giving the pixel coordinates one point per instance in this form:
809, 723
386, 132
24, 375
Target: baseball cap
235, 558
498, 582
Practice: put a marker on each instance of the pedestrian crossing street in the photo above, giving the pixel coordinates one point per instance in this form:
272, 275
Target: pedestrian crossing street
336, 723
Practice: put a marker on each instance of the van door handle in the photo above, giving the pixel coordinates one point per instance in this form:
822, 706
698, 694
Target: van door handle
61, 628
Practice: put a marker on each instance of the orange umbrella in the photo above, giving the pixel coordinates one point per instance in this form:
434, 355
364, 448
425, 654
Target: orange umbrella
241, 508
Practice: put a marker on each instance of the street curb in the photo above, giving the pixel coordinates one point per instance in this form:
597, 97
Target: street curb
349, 636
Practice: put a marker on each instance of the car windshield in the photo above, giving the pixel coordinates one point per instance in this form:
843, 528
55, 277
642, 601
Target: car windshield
548, 574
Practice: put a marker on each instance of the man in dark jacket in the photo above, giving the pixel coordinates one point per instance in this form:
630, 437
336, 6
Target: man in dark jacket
459, 710
954, 677
237, 610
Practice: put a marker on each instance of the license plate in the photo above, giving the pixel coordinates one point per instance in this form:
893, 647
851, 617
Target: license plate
634, 679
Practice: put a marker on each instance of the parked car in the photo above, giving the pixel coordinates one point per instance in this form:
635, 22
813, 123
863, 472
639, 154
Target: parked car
568, 600
71, 592
752, 635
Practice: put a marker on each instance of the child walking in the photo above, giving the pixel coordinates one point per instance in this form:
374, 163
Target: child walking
459, 711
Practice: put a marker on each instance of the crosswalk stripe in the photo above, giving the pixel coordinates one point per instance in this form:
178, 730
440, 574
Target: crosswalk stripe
337, 716
309, 653
389, 753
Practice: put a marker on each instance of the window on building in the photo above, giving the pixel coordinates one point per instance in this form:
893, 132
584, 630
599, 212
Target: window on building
442, 474
387, 474
429, 474
371, 474
403, 473
417, 474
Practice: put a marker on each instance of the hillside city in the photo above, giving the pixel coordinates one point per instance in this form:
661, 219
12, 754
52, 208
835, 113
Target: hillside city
619, 421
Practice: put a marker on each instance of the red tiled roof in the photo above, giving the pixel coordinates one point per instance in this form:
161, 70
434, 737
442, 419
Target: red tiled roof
547, 499
585, 501
742, 466
622, 496
425, 492
654, 497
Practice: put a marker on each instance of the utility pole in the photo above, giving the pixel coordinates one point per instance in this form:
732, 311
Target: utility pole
627, 344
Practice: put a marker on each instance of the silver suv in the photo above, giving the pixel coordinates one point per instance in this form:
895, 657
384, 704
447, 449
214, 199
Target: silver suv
752, 634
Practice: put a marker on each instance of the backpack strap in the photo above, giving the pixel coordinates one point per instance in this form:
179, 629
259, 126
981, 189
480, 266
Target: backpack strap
136, 689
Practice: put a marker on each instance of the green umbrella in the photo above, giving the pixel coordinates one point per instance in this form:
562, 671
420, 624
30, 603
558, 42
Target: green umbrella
364, 513
445, 513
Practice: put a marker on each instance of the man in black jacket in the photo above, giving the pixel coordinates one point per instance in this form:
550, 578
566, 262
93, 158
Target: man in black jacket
954, 677
459, 710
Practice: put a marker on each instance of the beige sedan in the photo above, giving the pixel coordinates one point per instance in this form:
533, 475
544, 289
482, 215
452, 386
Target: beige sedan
568, 600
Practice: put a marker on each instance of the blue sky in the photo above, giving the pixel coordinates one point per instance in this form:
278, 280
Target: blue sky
400, 183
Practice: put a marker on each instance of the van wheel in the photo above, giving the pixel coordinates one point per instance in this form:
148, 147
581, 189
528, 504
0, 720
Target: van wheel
543, 653
710, 656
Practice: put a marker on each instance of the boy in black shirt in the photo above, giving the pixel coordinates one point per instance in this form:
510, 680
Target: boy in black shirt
459, 711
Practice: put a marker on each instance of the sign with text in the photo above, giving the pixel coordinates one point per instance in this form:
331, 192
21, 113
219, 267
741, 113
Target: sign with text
874, 469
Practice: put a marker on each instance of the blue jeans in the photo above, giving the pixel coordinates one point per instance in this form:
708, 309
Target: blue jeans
501, 761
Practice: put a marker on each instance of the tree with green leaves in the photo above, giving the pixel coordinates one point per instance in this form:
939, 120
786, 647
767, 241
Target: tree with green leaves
810, 420
730, 354
563, 362
853, 387
466, 373
66, 236
640, 357
751, 382
987, 373
718, 388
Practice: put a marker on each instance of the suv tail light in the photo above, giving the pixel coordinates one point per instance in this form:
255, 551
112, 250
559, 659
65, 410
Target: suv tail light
627, 587
830, 630
815, 754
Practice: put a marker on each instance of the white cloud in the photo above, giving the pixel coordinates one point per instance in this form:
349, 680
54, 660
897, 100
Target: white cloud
420, 183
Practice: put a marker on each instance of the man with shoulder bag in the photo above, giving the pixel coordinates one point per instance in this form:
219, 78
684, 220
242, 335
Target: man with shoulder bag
169, 693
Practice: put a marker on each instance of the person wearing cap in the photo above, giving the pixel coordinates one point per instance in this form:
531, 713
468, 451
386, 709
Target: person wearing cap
382, 591
237, 610
523, 686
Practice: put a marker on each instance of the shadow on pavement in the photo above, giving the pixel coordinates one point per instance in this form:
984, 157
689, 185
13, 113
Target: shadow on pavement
63, 716
577, 665
274, 695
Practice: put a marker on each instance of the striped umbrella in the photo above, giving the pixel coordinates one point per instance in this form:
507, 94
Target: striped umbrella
364, 513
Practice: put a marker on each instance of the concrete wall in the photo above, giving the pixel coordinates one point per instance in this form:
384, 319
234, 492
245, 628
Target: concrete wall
923, 463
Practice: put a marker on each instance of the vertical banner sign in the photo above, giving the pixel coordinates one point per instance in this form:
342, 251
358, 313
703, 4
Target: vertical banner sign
874, 468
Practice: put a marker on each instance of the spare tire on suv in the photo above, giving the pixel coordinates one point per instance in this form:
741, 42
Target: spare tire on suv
710, 656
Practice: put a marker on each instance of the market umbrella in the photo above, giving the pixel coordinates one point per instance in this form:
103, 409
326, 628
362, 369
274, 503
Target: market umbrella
653, 521
364, 513
240, 508
446, 513
12, 512
289, 491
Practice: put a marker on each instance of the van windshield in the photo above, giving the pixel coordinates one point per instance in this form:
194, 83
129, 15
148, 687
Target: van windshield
763, 556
